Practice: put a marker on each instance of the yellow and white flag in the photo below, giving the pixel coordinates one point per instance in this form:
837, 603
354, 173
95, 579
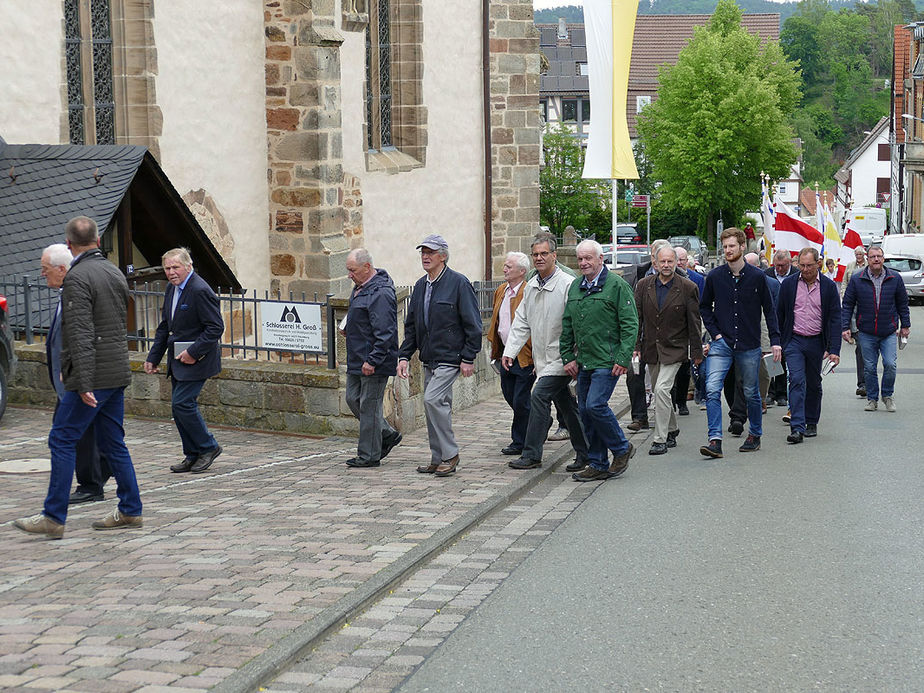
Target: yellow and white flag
610, 27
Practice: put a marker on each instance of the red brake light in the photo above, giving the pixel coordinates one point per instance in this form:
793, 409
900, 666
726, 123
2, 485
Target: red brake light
3, 303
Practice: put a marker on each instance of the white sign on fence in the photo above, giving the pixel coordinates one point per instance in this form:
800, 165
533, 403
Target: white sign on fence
290, 326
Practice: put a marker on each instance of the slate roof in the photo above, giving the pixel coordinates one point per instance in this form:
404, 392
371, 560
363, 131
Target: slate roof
42, 186
658, 41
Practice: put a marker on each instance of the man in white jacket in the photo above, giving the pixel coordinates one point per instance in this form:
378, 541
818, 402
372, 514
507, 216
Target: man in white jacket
539, 317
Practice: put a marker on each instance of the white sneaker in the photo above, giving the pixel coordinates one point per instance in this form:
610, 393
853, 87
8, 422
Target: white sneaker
888, 404
872, 405
560, 434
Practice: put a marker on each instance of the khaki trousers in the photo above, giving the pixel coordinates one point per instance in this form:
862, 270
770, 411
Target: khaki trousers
662, 377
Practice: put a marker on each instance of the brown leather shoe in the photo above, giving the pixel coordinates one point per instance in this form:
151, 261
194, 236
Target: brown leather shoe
185, 465
447, 467
428, 468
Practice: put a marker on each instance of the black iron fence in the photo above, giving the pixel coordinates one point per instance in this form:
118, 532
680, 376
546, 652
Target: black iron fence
294, 329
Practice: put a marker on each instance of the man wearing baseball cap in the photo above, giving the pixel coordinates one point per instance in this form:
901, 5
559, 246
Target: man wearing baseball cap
443, 324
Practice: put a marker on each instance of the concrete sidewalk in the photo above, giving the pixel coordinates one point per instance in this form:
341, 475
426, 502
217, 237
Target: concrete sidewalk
238, 570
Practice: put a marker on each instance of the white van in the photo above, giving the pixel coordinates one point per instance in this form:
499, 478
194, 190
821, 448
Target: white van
904, 244
870, 223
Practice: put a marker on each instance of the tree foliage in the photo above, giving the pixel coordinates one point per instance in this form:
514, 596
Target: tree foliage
565, 197
720, 119
845, 56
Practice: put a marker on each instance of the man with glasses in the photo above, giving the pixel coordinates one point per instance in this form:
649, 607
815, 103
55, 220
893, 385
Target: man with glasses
538, 320
878, 294
808, 310
443, 324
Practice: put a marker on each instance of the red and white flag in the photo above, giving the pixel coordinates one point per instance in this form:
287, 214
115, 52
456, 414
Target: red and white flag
793, 234
848, 252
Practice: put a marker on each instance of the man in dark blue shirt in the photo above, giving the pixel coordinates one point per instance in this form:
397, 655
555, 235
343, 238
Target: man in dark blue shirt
732, 300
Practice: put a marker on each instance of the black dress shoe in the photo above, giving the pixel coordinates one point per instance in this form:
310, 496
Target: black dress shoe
524, 463
511, 450
185, 465
205, 460
389, 445
576, 466
672, 438
354, 462
795, 437
79, 496
736, 428
683, 410
811, 430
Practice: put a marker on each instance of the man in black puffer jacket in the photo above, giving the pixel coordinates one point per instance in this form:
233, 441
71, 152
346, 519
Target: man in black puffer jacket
443, 323
372, 355
95, 369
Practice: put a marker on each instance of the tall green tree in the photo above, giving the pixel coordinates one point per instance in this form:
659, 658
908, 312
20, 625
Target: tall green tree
565, 197
720, 119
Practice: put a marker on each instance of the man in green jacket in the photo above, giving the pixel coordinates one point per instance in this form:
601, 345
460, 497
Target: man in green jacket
599, 329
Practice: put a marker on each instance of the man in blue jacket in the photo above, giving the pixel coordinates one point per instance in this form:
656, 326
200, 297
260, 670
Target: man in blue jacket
191, 319
809, 313
881, 302
444, 325
372, 356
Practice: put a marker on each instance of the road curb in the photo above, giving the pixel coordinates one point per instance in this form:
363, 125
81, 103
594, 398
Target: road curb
266, 666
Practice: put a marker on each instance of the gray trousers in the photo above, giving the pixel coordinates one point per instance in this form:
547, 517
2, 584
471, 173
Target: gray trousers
438, 408
364, 396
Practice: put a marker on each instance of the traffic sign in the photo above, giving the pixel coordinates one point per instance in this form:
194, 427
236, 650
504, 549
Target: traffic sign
640, 200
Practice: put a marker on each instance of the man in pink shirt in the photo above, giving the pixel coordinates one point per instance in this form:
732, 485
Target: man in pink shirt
808, 310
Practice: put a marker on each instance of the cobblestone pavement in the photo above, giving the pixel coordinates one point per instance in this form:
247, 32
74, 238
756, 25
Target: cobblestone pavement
236, 569
381, 647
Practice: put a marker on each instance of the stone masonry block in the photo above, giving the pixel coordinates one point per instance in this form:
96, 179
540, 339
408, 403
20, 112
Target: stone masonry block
240, 394
286, 397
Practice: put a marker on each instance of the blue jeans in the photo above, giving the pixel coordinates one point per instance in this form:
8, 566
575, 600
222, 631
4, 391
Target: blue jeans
803, 356
189, 422
718, 362
601, 428
872, 346
72, 419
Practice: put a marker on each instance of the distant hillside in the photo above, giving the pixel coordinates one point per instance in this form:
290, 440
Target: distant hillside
575, 15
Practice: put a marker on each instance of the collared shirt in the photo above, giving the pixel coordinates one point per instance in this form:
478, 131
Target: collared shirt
877, 284
661, 290
503, 319
428, 293
542, 281
779, 277
177, 291
587, 285
807, 309
732, 307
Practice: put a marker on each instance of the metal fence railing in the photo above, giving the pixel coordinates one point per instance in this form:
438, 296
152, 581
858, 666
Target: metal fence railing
246, 316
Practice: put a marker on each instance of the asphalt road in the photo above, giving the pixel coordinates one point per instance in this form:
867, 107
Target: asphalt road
793, 568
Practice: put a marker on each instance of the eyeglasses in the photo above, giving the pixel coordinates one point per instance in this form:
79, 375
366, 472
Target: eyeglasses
544, 253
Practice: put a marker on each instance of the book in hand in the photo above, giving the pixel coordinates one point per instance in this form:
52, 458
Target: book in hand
180, 347
774, 368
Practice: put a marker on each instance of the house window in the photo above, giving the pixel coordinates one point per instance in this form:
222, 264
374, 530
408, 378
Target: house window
396, 119
641, 102
378, 77
544, 109
582, 70
88, 62
584, 106
569, 110
884, 153
883, 186
782, 189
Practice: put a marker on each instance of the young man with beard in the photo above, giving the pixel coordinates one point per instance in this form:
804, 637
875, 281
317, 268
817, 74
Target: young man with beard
732, 301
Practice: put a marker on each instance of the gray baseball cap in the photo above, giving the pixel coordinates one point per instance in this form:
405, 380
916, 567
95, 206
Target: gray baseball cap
434, 242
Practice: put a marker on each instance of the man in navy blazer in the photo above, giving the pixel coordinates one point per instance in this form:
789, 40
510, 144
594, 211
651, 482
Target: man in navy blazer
809, 314
191, 315
92, 469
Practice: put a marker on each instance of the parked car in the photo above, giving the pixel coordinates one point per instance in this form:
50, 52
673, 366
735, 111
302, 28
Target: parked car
912, 275
626, 256
627, 234
7, 357
695, 246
